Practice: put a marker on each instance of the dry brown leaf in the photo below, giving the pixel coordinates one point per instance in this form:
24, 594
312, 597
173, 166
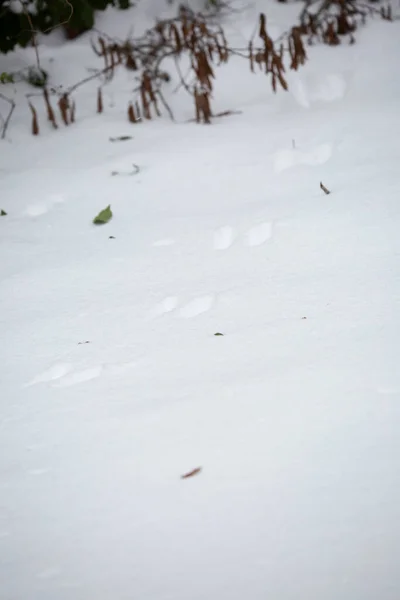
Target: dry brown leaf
323, 188
192, 473
35, 124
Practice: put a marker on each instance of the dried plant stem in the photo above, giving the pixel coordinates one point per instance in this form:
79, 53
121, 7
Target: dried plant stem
34, 34
165, 104
6, 121
324, 189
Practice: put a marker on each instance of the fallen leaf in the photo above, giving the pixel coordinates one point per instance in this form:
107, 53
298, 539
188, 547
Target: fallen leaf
323, 188
218, 333
191, 473
3, 213
121, 138
104, 216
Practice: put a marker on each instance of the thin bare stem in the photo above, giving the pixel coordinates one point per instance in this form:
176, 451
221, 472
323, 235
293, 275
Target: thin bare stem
166, 106
6, 121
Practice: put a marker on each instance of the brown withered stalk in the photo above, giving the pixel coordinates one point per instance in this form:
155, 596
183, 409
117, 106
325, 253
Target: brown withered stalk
131, 114
72, 113
99, 100
63, 105
324, 189
202, 41
35, 123
50, 112
5, 121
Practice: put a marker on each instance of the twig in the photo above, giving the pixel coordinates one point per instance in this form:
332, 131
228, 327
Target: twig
136, 170
6, 121
71, 8
191, 473
182, 78
165, 104
90, 77
323, 188
34, 33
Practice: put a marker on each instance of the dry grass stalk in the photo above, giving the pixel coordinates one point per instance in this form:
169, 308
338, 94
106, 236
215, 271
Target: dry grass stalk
131, 114
191, 473
202, 106
297, 51
323, 188
251, 57
330, 35
99, 101
130, 63
203, 42
63, 105
35, 123
72, 113
50, 112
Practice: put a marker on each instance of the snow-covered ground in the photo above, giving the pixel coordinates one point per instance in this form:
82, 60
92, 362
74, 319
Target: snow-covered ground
113, 384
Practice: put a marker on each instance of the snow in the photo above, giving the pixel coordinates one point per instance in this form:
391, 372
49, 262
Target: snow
113, 384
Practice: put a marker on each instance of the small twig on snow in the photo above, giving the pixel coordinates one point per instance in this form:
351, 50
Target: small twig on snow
323, 188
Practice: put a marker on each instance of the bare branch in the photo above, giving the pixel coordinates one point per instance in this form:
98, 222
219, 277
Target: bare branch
33, 32
90, 78
6, 121
166, 106
67, 20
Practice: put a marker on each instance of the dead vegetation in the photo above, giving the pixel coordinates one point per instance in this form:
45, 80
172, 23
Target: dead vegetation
334, 21
201, 41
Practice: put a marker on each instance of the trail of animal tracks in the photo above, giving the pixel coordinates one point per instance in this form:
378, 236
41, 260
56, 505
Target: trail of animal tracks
115, 389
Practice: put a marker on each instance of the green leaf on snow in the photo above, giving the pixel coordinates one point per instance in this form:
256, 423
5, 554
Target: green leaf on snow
218, 333
3, 213
104, 216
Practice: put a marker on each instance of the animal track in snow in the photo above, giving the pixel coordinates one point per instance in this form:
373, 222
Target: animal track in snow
286, 159
120, 368
36, 210
165, 306
259, 234
55, 372
196, 307
64, 375
307, 90
41, 208
79, 376
223, 238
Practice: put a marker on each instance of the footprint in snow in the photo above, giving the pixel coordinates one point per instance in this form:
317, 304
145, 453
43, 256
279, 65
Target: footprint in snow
196, 307
288, 158
223, 238
166, 306
259, 234
64, 375
79, 376
308, 90
41, 208
52, 374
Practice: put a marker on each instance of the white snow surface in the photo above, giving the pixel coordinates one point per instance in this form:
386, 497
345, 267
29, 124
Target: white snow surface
113, 384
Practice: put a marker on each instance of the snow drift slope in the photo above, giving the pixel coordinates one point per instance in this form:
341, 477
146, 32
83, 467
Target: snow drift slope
292, 414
